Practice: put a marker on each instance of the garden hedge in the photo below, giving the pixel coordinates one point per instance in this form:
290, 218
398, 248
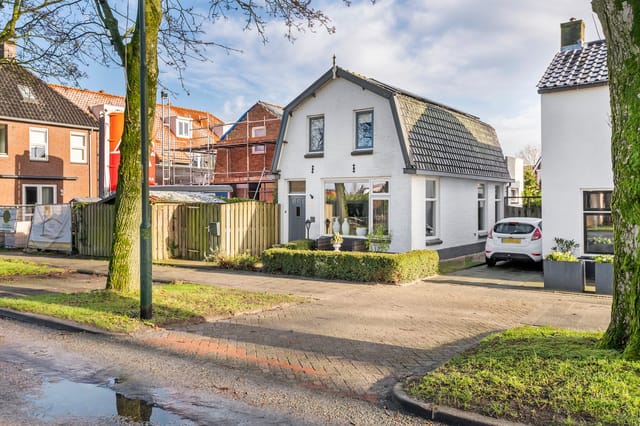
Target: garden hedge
352, 266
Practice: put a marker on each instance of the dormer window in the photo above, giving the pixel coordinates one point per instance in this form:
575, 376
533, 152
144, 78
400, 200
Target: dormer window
27, 93
183, 128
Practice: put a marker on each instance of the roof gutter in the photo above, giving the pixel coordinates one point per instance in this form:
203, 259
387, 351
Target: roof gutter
458, 176
49, 123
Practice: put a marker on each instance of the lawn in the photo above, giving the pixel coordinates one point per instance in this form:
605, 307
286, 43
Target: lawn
172, 303
538, 376
13, 267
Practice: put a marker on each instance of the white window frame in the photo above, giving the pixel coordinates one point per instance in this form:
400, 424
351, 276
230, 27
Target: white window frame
27, 93
45, 132
372, 196
436, 216
39, 188
4, 134
259, 131
181, 123
82, 149
482, 203
259, 149
498, 204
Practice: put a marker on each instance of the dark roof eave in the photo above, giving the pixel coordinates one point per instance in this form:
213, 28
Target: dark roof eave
572, 87
51, 123
458, 175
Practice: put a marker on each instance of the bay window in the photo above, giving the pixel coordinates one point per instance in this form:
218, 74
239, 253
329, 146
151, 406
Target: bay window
356, 207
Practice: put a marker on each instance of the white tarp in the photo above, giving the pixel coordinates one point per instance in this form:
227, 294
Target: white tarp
8, 217
51, 228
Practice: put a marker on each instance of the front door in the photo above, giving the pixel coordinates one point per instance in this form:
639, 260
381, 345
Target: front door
296, 217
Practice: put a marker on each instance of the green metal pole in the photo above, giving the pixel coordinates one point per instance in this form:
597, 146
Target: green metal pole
146, 311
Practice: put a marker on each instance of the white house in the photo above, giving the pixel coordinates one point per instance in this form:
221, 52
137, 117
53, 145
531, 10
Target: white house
577, 179
355, 154
515, 190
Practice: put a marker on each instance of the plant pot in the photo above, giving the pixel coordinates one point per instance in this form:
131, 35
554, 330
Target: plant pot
361, 231
567, 276
604, 278
336, 246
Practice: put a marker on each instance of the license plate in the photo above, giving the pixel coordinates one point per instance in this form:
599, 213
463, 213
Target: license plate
511, 240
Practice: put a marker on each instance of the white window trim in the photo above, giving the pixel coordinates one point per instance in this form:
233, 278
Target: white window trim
259, 152
484, 231
83, 149
436, 209
498, 201
372, 196
256, 128
46, 143
188, 123
585, 212
6, 140
39, 200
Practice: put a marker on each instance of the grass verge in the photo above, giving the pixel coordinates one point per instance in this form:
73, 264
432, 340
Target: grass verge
172, 303
538, 376
12, 267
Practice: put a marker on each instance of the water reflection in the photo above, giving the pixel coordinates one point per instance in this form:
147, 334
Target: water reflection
68, 398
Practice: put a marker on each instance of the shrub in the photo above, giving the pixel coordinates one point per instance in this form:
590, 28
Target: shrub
352, 266
243, 262
564, 246
300, 245
561, 256
604, 258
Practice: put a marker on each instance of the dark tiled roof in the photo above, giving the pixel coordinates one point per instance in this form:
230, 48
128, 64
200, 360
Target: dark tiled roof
45, 105
577, 67
446, 141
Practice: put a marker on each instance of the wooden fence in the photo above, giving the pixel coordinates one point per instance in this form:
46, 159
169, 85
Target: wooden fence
186, 231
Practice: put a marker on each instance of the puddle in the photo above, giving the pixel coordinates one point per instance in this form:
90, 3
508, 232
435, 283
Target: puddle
67, 398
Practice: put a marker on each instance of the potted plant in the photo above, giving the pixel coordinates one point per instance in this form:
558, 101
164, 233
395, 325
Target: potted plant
336, 241
604, 274
378, 240
562, 270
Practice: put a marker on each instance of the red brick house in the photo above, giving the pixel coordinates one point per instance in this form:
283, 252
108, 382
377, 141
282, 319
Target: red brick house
183, 147
245, 151
48, 146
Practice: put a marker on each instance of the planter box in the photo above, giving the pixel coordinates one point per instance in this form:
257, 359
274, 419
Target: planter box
567, 276
604, 278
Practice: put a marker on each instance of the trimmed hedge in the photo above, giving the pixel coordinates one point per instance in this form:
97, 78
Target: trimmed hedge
352, 266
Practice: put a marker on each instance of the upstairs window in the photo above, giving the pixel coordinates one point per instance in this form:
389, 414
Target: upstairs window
258, 132
364, 129
78, 148
258, 149
316, 134
183, 128
4, 149
38, 145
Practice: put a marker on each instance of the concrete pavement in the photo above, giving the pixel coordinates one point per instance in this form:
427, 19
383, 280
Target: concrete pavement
355, 339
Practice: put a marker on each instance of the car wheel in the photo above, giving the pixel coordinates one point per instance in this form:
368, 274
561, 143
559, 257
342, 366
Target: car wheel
491, 262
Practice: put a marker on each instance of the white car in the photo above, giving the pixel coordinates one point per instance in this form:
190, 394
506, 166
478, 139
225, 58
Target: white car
514, 238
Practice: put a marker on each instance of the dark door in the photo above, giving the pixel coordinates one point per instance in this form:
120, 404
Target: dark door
296, 217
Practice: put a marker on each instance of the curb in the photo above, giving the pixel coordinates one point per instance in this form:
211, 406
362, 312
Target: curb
444, 414
55, 323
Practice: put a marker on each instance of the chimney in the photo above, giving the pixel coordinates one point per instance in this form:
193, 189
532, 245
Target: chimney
571, 34
8, 49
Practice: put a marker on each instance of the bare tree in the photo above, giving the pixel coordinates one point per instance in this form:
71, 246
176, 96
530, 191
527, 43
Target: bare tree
529, 154
57, 37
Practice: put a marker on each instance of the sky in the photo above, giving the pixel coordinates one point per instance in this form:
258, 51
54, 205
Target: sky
483, 57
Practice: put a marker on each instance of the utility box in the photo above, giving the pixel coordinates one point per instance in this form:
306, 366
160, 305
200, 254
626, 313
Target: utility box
214, 228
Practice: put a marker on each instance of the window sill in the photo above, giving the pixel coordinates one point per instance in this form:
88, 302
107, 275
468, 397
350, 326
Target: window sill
367, 151
433, 242
314, 155
482, 235
39, 159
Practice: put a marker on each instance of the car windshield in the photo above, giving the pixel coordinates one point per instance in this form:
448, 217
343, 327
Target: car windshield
513, 228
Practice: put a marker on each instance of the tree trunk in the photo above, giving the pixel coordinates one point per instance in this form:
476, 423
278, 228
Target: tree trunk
124, 266
621, 24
